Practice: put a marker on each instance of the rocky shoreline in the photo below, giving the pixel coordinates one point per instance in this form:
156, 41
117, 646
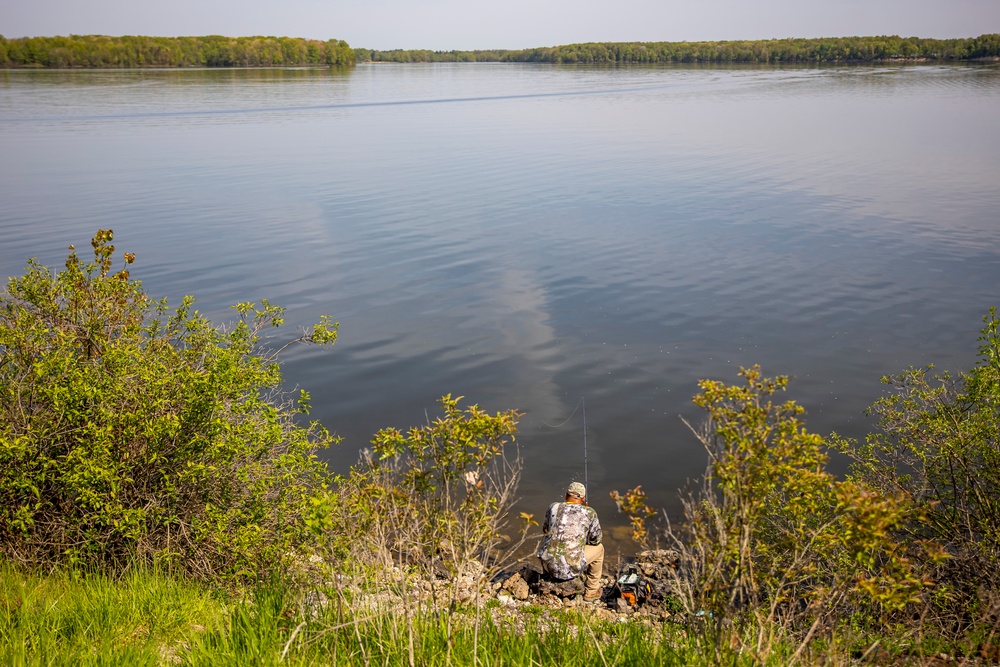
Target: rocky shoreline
639, 586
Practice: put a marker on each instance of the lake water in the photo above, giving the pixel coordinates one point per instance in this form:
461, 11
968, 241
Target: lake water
530, 235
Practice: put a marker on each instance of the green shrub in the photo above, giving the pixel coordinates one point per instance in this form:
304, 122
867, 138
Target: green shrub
771, 541
436, 496
128, 433
938, 446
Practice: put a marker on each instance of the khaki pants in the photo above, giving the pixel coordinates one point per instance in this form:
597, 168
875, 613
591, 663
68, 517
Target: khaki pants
593, 556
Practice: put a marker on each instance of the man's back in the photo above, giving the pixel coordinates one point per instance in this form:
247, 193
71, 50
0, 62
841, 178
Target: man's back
568, 528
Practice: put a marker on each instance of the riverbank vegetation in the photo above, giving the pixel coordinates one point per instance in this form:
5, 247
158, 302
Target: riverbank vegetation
161, 501
96, 51
907, 545
821, 50
99, 51
130, 434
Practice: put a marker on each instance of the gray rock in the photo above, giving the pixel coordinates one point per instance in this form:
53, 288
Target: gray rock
561, 589
517, 586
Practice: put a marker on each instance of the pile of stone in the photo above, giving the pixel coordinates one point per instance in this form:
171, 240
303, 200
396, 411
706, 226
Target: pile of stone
528, 579
643, 581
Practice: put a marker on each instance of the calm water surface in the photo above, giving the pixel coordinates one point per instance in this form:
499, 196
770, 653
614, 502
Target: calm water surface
530, 235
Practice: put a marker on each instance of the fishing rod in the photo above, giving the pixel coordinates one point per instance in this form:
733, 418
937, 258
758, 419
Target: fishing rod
586, 478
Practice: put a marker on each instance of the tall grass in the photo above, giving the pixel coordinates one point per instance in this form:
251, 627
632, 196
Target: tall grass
142, 618
146, 618
262, 636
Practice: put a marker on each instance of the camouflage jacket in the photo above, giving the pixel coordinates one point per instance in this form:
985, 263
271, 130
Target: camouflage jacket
568, 527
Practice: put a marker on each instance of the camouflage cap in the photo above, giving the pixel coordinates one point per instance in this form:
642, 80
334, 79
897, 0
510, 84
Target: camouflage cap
577, 489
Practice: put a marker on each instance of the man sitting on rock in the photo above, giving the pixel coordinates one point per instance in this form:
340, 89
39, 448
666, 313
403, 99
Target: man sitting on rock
572, 542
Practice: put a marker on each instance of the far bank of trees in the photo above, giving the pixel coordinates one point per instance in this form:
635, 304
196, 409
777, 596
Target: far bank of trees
839, 49
832, 49
135, 51
217, 51
428, 56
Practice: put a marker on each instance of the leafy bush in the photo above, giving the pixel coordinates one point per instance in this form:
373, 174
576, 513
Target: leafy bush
632, 504
127, 433
771, 538
938, 446
433, 497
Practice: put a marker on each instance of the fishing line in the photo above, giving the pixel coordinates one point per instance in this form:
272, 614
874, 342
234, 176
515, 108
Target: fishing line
579, 403
586, 467
586, 480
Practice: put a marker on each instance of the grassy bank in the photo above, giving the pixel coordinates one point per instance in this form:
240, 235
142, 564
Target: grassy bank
141, 618
145, 618
150, 619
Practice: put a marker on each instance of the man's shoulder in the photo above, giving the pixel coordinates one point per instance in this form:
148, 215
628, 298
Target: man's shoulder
573, 509
582, 510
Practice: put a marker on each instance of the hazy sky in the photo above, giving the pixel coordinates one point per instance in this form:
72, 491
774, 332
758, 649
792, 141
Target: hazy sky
474, 24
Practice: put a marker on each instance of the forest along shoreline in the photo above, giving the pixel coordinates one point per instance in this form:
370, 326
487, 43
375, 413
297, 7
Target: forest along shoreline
102, 51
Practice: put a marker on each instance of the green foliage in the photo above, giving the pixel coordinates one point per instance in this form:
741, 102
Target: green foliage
760, 458
772, 538
938, 446
632, 504
827, 49
138, 51
775, 545
435, 495
128, 433
218, 51
427, 56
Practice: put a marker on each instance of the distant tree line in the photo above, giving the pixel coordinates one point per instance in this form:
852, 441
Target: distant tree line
136, 51
831, 49
427, 56
219, 51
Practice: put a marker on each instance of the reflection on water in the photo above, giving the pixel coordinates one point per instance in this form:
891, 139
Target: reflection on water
530, 235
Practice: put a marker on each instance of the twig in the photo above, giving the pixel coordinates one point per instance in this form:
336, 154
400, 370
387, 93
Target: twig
288, 644
871, 648
597, 645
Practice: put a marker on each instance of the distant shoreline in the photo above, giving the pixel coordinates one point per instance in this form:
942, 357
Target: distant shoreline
214, 51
